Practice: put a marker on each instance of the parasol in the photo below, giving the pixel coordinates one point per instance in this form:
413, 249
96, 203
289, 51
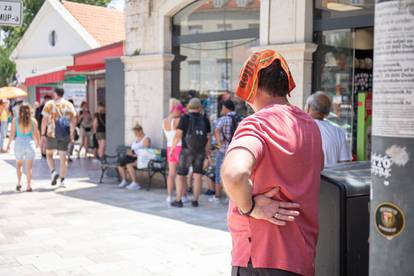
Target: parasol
11, 93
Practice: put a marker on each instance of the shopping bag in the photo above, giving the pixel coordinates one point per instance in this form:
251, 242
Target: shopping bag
144, 156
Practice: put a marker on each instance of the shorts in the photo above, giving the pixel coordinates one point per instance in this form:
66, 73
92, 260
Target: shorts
127, 159
60, 144
189, 158
175, 157
85, 131
219, 162
24, 148
249, 271
100, 136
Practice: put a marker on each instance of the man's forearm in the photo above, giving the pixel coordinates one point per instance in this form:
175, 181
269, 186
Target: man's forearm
238, 188
217, 137
44, 123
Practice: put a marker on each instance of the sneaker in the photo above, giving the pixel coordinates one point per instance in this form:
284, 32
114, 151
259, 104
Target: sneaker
185, 199
62, 184
54, 177
210, 192
214, 199
123, 184
134, 186
177, 204
194, 203
169, 199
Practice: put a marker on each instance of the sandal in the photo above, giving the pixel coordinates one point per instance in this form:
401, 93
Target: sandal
18, 188
29, 190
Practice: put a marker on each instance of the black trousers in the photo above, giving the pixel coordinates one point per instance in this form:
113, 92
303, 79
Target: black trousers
250, 271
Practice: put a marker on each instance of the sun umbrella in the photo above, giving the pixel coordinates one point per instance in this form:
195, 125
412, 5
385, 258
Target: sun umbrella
11, 93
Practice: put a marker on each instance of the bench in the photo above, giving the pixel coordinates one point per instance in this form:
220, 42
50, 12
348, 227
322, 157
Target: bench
157, 166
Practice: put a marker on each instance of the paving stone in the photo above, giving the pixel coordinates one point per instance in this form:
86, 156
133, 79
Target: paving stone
91, 229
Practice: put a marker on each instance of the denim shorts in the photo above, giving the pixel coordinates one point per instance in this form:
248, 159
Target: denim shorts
24, 148
219, 162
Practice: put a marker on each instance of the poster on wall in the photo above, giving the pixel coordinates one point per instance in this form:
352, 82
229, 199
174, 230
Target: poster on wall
42, 91
394, 69
75, 92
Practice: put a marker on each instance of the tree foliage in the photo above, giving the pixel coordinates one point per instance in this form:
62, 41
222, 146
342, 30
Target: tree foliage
12, 35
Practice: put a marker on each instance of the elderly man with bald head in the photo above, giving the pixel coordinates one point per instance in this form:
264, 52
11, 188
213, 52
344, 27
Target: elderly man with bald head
335, 147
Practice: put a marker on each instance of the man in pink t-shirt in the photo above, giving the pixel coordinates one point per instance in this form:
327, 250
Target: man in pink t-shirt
272, 174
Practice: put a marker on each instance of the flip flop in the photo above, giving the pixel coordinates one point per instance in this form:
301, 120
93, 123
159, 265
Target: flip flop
29, 190
18, 188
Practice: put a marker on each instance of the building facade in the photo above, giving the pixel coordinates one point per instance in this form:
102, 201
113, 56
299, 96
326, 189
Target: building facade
180, 48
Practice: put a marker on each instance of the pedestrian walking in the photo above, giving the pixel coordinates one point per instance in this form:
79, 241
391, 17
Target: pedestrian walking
129, 161
71, 146
25, 133
271, 174
169, 126
85, 123
58, 130
39, 118
225, 128
335, 147
4, 122
193, 131
99, 129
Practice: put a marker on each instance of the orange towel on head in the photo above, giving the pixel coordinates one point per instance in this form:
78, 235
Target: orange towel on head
247, 88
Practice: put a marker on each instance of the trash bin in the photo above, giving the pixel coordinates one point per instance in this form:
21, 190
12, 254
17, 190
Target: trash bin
343, 248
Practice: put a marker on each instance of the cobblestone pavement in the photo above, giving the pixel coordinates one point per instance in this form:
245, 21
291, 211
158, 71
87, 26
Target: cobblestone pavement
90, 229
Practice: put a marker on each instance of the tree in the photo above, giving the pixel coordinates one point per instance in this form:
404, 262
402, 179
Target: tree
12, 35
7, 67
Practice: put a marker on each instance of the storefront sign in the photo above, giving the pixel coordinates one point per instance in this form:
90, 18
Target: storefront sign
11, 13
75, 92
389, 220
394, 69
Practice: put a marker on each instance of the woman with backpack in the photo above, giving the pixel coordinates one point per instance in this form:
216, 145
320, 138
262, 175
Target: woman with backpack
99, 128
25, 133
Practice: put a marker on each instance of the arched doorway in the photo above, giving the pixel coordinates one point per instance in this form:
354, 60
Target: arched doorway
211, 40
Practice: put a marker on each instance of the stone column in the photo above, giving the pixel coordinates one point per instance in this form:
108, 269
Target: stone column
286, 26
147, 91
147, 69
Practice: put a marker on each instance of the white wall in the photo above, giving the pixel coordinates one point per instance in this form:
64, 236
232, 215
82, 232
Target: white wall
37, 54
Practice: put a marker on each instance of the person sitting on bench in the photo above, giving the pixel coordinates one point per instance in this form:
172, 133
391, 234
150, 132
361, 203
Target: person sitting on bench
129, 161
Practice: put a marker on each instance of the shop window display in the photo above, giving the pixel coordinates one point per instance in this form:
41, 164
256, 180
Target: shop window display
209, 66
343, 69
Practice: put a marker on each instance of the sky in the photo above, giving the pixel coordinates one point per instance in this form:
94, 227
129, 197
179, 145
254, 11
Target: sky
117, 4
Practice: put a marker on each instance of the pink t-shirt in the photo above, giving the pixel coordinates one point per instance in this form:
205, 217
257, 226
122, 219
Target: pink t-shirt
286, 144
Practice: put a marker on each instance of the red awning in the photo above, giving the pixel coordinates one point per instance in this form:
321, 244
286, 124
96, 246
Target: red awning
51, 77
87, 67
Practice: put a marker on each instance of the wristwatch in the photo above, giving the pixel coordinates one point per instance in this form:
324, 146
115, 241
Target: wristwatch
248, 213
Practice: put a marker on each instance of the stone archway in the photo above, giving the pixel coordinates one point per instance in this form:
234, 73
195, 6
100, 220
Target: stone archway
148, 64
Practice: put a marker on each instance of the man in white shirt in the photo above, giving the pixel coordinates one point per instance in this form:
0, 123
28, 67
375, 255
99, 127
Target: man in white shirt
335, 147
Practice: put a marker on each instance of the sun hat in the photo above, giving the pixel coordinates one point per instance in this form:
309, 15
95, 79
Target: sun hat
247, 88
178, 107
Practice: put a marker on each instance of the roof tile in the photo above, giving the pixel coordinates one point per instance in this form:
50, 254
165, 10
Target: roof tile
106, 25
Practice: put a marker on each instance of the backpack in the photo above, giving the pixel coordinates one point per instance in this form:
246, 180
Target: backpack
62, 125
196, 136
235, 121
